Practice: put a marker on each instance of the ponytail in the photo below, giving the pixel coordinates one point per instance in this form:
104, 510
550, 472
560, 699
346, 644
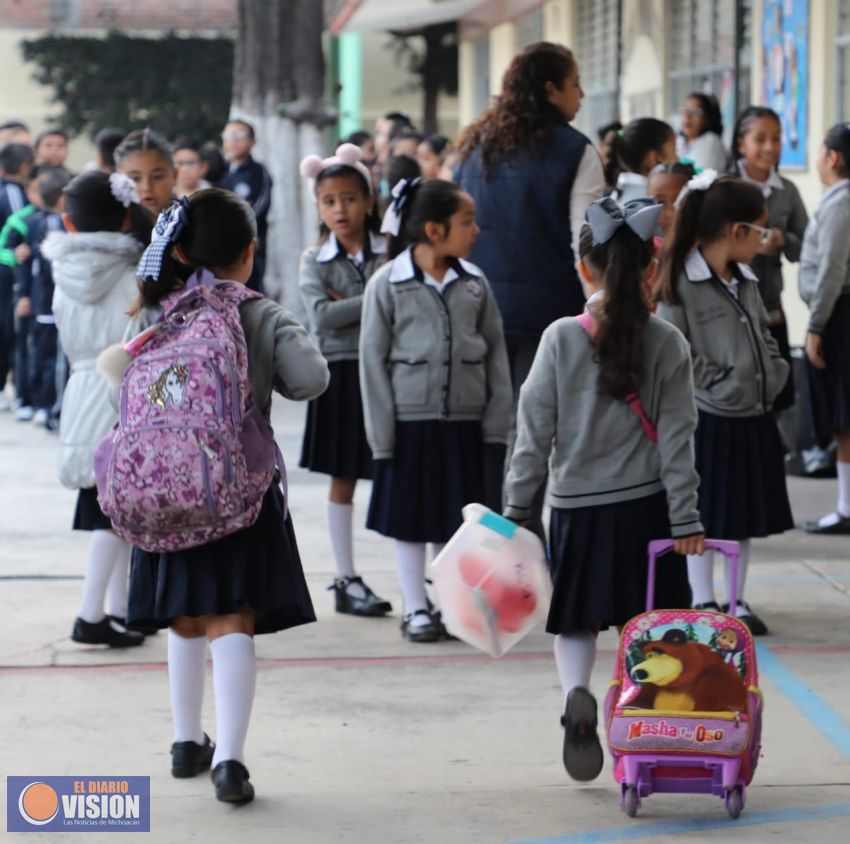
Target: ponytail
415, 203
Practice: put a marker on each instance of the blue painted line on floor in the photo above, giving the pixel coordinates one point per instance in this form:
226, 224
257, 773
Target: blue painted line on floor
635, 831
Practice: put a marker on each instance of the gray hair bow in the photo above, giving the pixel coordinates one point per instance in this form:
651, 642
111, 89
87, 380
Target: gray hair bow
605, 217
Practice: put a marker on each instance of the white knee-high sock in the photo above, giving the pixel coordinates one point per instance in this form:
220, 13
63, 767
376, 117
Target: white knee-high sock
843, 505
103, 552
116, 590
701, 577
410, 563
574, 656
339, 527
743, 565
187, 662
234, 681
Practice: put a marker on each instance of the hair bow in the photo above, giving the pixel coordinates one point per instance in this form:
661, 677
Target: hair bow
169, 226
124, 189
347, 154
605, 217
400, 196
702, 181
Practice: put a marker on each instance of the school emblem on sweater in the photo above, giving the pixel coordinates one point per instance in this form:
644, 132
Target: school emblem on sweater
473, 287
170, 386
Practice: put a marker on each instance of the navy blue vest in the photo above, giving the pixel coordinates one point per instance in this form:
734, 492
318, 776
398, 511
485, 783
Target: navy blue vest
525, 245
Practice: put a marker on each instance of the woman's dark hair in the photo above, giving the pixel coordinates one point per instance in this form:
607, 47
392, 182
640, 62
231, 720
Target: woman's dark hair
742, 125
221, 224
522, 114
620, 337
701, 218
640, 137
437, 144
712, 119
838, 140
90, 204
434, 201
142, 140
344, 171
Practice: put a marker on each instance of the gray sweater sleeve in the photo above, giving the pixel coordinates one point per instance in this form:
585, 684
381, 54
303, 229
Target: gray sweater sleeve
497, 414
324, 313
707, 374
677, 421
797, 223
834, 258
537, 421
376, 336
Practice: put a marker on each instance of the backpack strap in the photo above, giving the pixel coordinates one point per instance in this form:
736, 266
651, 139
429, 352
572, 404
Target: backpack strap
633, 400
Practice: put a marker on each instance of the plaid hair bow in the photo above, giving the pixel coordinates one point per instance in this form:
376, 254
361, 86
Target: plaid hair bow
169, 226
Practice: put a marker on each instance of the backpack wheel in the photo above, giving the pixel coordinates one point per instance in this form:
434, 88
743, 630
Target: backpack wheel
630, 801
734, 802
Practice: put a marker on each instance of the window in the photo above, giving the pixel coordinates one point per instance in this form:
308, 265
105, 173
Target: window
529, 29
710, 51
598, 55
842, 43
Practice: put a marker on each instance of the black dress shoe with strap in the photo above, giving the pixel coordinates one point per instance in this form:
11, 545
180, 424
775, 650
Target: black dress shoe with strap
107, 631
427, 632
369, 604
838, 524
230, 779
139, 628
188, 758
583, 757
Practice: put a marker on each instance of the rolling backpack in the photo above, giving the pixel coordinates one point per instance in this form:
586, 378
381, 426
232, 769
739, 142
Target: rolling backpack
191, 455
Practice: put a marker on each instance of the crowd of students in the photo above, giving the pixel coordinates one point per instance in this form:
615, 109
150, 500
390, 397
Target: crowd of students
513, 319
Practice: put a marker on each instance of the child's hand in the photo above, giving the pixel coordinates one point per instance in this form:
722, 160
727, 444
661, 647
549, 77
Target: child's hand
814, 350
22, 253
334, 296
24, 307
690, 544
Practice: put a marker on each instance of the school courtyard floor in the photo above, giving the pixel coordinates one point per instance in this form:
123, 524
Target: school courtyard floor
359, 736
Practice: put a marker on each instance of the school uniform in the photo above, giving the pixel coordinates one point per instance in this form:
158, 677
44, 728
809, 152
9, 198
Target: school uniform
436, 395
738, 373
707, 151
258, 566
630, 186
12, 199
335, 441
825, 288
611, 488
786, 212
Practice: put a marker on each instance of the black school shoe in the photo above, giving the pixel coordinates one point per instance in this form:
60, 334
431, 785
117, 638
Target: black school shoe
139, 628
756, 625
582, 751
188, 758
230, 779
370, 605
429, 632
841, 525
710, 606
106, 632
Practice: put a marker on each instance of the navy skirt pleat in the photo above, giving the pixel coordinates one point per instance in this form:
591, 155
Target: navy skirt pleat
833, 383
335, 435
256, 567
598, 560
741, 465
88, 515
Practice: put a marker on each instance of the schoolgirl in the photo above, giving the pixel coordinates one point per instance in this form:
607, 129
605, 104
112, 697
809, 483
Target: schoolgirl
756, 145
249, 582
709, 292
666, 181
431, 156
609, 407
825, 288
332, 278
435, 383
93, 265
145, 157
635, 150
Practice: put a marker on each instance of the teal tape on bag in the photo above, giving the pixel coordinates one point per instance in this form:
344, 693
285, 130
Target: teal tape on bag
499, 524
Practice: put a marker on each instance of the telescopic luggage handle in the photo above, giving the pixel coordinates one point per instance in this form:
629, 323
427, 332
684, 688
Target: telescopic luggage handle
727, 547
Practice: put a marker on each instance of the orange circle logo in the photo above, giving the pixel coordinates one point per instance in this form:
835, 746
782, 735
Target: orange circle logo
38, 803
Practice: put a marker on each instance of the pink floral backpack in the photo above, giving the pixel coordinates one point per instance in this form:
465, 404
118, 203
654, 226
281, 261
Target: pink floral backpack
191, 455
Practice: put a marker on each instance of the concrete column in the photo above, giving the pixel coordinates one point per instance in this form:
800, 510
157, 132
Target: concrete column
466, 82
502, 51
559, 22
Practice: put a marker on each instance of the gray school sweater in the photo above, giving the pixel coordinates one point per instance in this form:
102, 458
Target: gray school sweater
595, 447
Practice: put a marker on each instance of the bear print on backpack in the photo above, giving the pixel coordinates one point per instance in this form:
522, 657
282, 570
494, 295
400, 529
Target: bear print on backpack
191, 455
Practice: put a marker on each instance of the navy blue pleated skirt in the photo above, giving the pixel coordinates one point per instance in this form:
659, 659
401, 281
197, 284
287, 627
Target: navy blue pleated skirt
833, 383
257, 567
335, 435
779, 332
88, 515
741, 465
598, 560
438, 467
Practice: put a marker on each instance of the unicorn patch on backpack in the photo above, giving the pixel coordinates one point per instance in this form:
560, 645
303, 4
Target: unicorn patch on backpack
170, 386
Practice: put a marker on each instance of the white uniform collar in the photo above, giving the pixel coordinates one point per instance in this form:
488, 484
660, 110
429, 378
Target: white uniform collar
402, 268
844, 184
627, 179
697, 268
331, 248
767, 187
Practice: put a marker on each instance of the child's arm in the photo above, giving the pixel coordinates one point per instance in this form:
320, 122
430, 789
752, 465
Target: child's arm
537, 420
707, 373
324, 313
677, 421
497, 414
834, 258
797, 223
376, 336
